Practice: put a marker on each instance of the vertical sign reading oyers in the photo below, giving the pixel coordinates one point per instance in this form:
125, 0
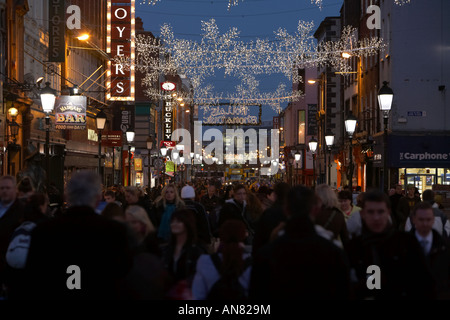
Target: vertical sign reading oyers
56, 29
120, 42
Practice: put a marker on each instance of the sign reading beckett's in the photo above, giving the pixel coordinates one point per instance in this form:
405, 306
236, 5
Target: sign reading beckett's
120, 42
70, 112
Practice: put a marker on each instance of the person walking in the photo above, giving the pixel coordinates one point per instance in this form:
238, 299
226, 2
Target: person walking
79, 241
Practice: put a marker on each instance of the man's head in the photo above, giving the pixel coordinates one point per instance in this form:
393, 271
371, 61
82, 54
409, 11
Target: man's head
110, 196
302, 204
84, 189
240, 193
410, 189
211, 190
422, 217
8, 190
398, 189
428, 196
376, 211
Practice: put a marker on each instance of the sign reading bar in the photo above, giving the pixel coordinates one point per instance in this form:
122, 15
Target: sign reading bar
56, 27
70, 112
112, 139
120, 42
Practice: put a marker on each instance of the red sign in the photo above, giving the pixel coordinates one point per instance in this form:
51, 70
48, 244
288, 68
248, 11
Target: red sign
112, 139
168, 144
121, 43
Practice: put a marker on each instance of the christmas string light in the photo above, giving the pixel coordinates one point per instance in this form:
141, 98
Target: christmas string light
242, 60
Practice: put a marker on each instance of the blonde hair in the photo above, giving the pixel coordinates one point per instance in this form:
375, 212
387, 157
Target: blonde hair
162, 198
327, 196
139, 213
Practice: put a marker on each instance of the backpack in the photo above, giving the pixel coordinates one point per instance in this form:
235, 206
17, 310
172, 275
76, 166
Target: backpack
227, 288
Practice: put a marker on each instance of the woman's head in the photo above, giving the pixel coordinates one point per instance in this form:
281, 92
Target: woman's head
327, 196
25, 188
345, 200
183, 221
232, 231
132, 195
240, 193
139, 221
170, 193
36, 207
113, 211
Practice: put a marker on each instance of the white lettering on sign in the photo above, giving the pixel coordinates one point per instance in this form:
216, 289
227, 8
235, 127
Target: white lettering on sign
424, 156
121, 43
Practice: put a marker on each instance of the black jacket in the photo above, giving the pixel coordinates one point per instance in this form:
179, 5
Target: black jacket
8, 223
404, 273
299, 265
438, 260
97, 245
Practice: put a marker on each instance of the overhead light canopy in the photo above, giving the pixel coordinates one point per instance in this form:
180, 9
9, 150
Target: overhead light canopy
163, 151
101, 120
297, 156
350, 124
48, 98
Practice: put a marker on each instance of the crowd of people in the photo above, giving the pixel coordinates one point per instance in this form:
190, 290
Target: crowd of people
210, 242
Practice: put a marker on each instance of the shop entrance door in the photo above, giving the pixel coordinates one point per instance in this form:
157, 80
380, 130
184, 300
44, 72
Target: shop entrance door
421, 181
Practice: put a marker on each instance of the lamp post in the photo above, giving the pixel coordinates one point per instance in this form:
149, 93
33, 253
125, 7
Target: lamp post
149, 148
385, 97
130, 138
192, 165
181, 167
297, 157
48, 98
163, 154
350, 126
329, 140
313, 148
101, 122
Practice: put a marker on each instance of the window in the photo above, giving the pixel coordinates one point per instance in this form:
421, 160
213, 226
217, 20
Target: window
301, 127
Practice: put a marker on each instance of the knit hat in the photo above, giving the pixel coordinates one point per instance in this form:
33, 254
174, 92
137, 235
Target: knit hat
187, 192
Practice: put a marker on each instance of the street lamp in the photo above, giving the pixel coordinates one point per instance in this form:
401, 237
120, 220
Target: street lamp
297, 157
385, 97
313, 147
130, 139
350, 126
48, 98
163, 154
101, 122
329, 140
149, 148
192, 154
182, 171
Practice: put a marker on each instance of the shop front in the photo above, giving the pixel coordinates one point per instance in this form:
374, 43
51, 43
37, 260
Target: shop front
420, 160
